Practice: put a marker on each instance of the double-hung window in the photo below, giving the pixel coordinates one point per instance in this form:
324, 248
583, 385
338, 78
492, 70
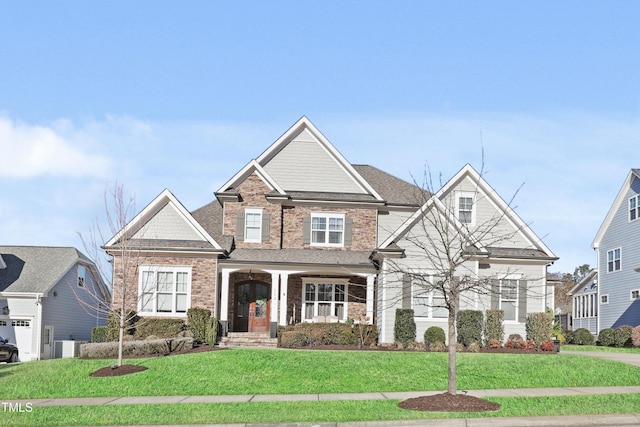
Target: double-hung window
509, 298
325, 299
164, 290
634, 208
327, 229
464, 208
613, 260
427, 300
252, 225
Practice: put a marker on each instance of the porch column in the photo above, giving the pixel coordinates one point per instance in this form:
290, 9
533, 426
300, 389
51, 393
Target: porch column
273, 321
284, 281
224, 302
370, 295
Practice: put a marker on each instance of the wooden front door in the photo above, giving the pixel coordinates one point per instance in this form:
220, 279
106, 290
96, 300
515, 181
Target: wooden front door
252, 307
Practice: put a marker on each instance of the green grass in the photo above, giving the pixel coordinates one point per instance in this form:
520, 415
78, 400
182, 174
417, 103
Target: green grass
601, 348
292, 372
323, 411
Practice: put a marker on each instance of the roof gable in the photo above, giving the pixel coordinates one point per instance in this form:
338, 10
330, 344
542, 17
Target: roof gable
164, 219
303, 160
619, 200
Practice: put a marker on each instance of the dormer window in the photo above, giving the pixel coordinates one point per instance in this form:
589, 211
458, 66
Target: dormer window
464, 208
634, 208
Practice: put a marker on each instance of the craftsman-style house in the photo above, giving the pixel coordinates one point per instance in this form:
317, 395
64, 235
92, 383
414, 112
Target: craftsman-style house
297, 235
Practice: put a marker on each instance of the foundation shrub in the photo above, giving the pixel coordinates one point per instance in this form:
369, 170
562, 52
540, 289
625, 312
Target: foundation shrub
606, 337
494, 343
437, 347
294, 339
568, 336
494, 326
539, 326
582, 336
212, 332
635, 336
547, 345
99, 334
469, 326
158, 327
622, 336
474, 347
404, 328
433, 335
113, 324
109, 350
198, 322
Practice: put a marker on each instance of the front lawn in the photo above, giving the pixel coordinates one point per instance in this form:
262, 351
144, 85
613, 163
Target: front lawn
303, 371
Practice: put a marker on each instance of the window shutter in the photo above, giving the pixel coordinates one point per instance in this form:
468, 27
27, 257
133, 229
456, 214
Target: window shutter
495, 294
522, 301
266, 236
406, 290
240, 227
306, 230
348, 226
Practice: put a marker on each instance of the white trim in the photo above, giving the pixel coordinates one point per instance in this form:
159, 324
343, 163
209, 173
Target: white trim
466, 195
328, 216
613, 251
636, 209
326, 281
253, 211
608, 219
153, 312
604, 302
637, 291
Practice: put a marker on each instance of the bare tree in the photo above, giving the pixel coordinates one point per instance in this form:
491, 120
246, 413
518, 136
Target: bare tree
117, 265
447, 249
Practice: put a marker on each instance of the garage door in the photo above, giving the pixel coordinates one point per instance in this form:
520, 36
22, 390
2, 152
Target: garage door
19, 332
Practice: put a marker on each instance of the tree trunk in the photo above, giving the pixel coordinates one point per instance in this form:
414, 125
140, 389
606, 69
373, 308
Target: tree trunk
452, 383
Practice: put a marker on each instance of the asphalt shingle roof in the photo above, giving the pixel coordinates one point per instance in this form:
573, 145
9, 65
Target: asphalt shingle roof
393, 190
303, 256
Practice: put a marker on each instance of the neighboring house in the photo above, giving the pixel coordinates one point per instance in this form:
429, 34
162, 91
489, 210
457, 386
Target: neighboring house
294, 236
585, 303
618, 249
40, 298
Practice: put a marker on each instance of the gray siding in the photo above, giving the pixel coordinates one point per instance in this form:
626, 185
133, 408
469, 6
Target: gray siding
168, 224
304, 165
390, 221
624, 235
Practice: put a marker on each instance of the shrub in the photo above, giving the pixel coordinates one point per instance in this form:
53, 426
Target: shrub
469, 326
547, 345
473, 347
606, 337
494, 326
113, 324
582, 336
635, 336
539, 326
516, 341
198, 322
568, 336
404, 329
437, 347
109, 350
494, 343
294, 339
212, 332
622, 336
159, 327
433, 335
99, 334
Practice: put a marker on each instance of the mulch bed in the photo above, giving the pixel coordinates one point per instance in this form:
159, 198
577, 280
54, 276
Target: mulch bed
446, 402
114, 371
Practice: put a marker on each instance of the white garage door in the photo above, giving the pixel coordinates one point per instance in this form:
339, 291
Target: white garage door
19, 332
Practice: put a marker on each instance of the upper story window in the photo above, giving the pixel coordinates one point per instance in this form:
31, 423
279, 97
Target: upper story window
604, 299
464, 208
252, 225
634, 208
635, 294
164, 290
327, 229
613, 260
81, 275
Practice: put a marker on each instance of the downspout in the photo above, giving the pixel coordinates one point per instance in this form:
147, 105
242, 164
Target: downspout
39, 327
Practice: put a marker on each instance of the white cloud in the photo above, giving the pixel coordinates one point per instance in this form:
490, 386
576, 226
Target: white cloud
33, 150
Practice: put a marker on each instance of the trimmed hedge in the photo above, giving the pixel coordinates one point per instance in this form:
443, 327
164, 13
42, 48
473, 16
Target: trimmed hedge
606, 337
494, 326
99, 334
317, 334
198, 322
434, 334
113, 324
582, 336
469, 327
109, 350
158, 328
404, 328
539, 327
622, 336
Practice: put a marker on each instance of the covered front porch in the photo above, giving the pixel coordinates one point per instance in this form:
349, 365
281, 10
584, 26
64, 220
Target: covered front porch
259, 297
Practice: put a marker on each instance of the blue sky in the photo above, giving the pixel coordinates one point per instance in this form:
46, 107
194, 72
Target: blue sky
181, 95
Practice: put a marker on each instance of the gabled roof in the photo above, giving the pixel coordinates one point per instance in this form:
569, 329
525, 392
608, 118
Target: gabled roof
592, 276
539, 250
36, 269
199, 238
620, 198
393, 190
310, 134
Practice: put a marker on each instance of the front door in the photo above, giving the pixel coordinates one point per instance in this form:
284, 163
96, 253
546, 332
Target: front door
252, 307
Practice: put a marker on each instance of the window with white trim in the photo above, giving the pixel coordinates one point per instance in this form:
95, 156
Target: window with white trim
327, 229
635, 294
585, 306
324, 298
427, 301
81, 275
634, 208
164, 290
509, 298
465, 207
613, 260
604, 299
253, 225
